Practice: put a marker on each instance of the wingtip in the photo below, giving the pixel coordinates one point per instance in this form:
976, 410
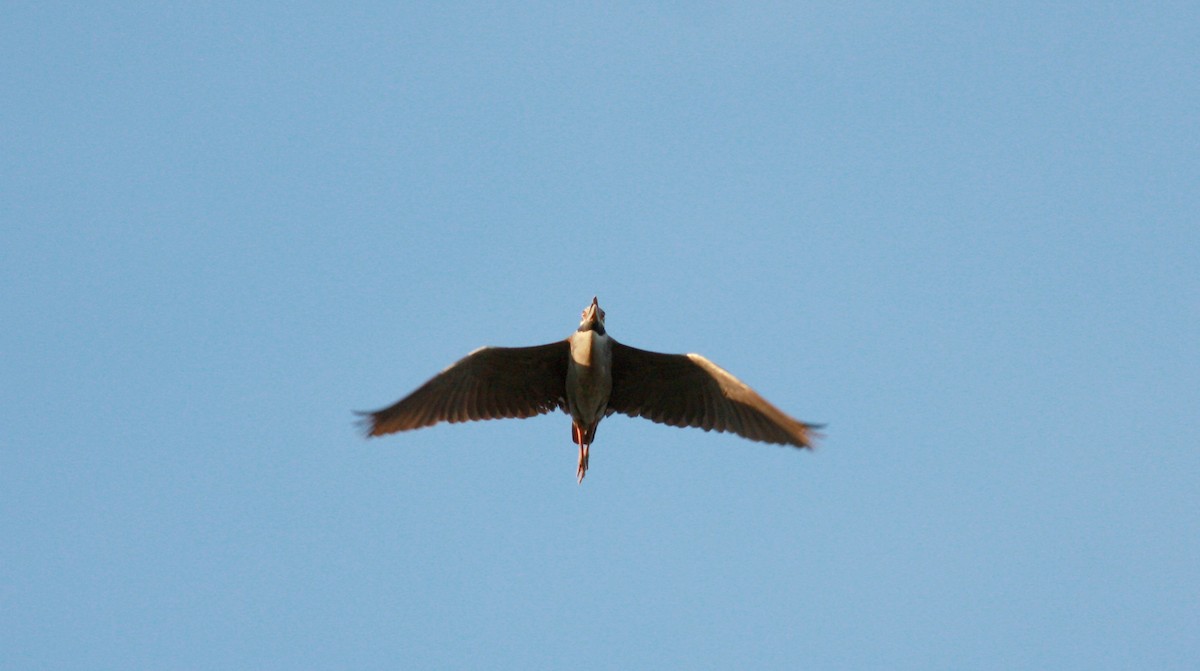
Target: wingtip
812, 435
366, 423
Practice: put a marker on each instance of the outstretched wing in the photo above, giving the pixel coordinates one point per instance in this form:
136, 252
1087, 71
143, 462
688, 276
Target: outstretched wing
689, 390
489, 383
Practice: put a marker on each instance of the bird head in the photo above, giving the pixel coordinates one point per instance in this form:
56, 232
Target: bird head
592, 318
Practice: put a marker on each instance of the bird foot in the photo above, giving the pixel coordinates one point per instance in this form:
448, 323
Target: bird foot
583, 462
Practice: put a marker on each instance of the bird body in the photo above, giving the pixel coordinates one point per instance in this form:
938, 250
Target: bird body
590, 376
589, 380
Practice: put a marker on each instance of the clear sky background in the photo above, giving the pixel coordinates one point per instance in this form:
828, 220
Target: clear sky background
968, 239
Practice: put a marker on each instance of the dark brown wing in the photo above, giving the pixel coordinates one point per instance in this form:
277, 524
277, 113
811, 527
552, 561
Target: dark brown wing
489, 383
689, 390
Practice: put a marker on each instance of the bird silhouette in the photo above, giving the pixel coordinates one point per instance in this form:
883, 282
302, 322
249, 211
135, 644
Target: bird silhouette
590, 375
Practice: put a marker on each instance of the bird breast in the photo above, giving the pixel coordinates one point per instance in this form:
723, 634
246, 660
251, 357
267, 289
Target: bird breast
589, 376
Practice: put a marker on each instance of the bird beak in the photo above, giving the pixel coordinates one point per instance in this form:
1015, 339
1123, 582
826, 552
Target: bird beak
589, 313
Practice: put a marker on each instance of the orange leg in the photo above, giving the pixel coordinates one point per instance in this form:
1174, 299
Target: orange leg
583, 463
577, 437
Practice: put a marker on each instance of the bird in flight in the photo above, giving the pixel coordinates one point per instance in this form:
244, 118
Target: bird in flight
589, 375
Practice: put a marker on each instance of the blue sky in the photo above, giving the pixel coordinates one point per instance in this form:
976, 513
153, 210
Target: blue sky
965, 238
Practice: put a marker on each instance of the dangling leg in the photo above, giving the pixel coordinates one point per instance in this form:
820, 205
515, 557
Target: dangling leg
577, 438
583, 438
583, 462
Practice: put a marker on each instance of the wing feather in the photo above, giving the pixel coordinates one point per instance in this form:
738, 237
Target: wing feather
688, 390
489, 383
